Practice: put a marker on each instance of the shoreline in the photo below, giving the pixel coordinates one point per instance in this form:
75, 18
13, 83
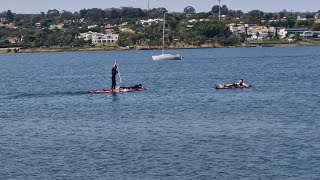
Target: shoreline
138, 48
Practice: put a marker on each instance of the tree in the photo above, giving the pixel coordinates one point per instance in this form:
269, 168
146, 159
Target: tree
66, 15
125, 39
258, 35
189, 10
95, 15
224, 10
316, 27
9, 16
268, 16
254, 16
212, 29
215, 9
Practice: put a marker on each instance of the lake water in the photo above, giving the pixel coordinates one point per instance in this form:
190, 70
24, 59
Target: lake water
180, 128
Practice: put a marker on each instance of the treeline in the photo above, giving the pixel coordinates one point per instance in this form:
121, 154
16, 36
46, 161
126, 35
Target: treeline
206, 32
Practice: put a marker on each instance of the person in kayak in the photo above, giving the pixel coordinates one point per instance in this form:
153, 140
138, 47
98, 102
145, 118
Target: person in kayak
241, 84
114, 72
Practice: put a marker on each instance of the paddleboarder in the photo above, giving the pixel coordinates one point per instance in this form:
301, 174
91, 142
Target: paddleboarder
114, 73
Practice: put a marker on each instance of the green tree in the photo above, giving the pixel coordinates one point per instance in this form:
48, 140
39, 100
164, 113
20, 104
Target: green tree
189, 10
215, 9
9, 16
125, 39
316, 27
224, 10
254, 16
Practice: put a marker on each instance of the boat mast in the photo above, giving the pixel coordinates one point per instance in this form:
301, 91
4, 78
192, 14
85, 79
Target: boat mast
164, 24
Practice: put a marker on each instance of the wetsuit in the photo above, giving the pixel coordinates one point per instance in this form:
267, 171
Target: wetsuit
114, 72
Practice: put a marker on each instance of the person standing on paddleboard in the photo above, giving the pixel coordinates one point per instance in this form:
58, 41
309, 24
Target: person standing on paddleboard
114, 72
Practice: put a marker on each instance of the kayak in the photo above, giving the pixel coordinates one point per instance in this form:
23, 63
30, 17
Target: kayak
118, 90
233, 87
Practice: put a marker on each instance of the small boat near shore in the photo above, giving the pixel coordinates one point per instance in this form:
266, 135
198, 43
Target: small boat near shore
166, 56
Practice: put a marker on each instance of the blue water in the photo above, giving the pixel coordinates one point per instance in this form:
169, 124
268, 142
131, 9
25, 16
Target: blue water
180, 128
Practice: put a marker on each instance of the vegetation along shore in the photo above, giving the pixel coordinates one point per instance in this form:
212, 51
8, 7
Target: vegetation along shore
134, 28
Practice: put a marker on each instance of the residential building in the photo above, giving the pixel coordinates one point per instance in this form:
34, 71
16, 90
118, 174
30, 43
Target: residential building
3, 20
301, 19
307, 34
92, 26
283, 33
38, 25
150, 21
57, 26
99, 37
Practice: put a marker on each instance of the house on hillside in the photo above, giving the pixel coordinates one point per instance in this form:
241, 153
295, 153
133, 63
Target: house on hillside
99, 37
3, 20
150, 21
108, 28
14, 40
287, 32
92, 26
38, 25
301, 19
57, 26
262, 32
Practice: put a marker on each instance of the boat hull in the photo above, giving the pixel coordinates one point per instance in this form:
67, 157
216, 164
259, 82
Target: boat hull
167, 57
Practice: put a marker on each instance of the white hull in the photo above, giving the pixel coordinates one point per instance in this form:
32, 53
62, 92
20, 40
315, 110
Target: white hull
167, 57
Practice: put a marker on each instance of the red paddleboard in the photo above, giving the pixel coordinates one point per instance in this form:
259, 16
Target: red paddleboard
120, 90
233, 87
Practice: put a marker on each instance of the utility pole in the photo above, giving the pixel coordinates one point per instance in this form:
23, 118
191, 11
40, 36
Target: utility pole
148, 4
219, 10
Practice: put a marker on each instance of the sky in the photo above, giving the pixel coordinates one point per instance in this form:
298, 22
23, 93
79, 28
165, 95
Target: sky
36, 6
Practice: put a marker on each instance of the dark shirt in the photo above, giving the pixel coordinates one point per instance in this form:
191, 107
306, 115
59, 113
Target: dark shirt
114, 71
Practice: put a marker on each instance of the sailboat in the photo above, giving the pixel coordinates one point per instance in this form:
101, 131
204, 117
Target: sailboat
166, 56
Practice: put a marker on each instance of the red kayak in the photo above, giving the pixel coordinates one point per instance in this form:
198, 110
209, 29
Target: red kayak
233, 87
119, 90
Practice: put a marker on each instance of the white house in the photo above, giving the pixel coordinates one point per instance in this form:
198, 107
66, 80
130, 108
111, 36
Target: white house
92, 26
150, 21
301, 19
99, 37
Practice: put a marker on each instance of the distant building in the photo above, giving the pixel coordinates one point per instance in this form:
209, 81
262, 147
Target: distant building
38, 25
189, 27
3, 20
307, 34
99, 37
283, 33
301, 19
108, 28
57, 26
9, 26
92, 26
150, 21
14, 40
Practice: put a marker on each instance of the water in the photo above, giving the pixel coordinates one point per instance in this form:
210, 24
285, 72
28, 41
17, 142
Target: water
181, 128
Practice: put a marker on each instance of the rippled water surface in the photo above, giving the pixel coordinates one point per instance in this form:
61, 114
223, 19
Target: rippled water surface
180, 128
